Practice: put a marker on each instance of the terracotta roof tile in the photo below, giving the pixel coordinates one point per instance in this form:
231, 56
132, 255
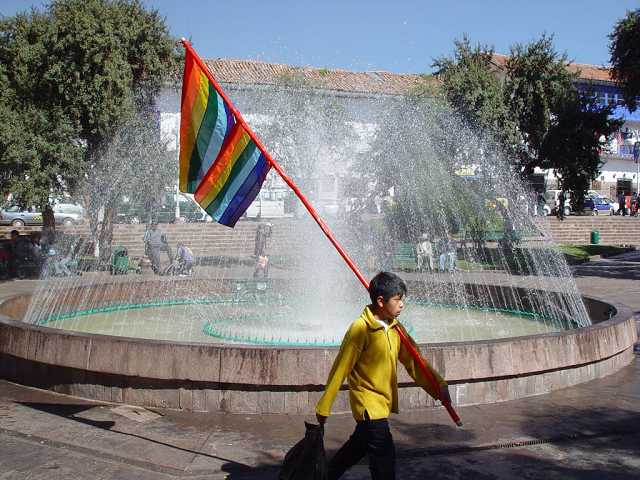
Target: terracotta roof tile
256, 72
587, 72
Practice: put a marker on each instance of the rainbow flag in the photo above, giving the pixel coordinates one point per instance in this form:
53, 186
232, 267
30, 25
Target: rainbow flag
219, 162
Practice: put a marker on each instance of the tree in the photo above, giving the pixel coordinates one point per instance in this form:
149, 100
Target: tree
575, 131
136, 165
562, 130
474, 91
96, 63
537, 80
625, 57
39, 152
534, 115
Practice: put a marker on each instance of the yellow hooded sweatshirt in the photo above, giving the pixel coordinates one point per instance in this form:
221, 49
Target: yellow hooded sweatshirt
368, 357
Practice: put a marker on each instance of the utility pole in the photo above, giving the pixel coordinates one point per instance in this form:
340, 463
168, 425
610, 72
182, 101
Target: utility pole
636, 158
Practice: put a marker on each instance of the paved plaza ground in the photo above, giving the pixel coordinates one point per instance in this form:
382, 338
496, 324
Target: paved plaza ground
591, 431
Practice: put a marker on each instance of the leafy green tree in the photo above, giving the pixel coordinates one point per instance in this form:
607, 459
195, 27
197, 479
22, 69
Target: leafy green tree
537, 80
474, 91
574, 133
534, 114
40, 155
625, 57
562, 130
97, 63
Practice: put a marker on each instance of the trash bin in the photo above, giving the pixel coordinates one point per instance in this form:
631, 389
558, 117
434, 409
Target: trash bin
595, 237
119, 260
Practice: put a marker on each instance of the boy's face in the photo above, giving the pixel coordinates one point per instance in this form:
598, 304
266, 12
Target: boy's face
390, 309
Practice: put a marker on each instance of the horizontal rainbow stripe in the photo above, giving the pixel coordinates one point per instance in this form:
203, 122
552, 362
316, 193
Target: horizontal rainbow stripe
219, 163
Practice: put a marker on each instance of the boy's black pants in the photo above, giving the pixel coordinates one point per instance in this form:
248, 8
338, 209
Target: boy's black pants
370, 437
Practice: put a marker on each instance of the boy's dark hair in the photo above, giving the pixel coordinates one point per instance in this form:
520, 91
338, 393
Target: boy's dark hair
386, 285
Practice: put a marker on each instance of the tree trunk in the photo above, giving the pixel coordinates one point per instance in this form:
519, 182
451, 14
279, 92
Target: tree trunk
106, 234
93, 214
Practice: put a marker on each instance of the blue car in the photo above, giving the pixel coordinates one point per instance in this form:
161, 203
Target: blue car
598, 206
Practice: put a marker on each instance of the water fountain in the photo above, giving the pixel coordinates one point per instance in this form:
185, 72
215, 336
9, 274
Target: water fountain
508, 322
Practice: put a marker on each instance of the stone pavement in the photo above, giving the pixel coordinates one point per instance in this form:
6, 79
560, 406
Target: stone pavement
591, 431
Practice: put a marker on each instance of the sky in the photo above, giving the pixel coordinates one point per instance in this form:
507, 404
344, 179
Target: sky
402, 36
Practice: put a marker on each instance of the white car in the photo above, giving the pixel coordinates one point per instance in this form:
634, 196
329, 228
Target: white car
68, 213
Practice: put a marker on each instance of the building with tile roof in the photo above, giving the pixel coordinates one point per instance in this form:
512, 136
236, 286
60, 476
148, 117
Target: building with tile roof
251, 72
246, 81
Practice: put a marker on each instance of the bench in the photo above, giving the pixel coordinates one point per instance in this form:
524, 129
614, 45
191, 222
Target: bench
404, 257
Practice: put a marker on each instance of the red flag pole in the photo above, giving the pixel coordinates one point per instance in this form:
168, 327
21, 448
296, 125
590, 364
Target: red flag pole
323, 226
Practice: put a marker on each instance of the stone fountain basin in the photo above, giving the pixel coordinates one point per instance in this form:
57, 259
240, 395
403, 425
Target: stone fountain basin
263, 379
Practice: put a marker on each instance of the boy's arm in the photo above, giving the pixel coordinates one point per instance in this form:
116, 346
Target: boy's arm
415, 372
352, 345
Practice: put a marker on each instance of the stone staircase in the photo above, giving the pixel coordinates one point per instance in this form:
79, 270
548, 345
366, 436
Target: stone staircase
204, 239
212, 239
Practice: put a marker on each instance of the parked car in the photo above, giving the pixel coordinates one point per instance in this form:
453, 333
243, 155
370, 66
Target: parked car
63, 213
18, 217
602, 198
613, 203
68, 213
598, 206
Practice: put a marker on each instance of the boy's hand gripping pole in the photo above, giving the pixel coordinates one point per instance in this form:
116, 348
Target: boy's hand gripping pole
323, 226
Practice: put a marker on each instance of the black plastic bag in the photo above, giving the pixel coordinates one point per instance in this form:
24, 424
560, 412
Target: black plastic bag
306, 460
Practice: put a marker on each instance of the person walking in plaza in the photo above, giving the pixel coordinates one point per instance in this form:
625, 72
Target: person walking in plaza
368, 360
561, 201
263, 232
158, 243
13, 251
622, 207
541, 204
48, 226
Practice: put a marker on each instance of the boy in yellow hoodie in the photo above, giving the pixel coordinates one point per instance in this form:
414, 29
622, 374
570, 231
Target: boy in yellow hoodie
368, 358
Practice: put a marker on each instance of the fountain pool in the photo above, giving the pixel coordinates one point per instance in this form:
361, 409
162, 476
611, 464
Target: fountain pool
213, 375
263, 323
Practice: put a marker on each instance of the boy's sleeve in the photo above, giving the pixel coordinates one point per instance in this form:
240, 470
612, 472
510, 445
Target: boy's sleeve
352, 345
414, 370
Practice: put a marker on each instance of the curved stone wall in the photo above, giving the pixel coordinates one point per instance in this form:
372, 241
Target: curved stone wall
250, 379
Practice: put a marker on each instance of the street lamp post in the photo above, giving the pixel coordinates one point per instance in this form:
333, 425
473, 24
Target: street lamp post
636, 158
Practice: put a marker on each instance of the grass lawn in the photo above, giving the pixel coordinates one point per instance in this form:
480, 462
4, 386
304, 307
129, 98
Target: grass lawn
468, 266
574, 254
581, 253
